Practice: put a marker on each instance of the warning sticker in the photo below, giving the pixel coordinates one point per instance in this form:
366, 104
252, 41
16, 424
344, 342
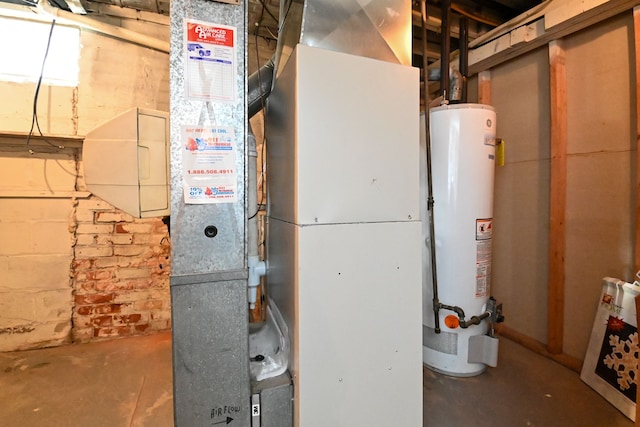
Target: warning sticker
484, 228
482, 286
483, 263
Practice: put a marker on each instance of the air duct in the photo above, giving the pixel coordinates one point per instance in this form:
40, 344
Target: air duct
374, 29
259, 88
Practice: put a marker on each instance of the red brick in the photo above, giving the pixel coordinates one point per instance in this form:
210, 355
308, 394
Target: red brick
148, 305
133, 273
111, 332
105, 262
93, 251
105, 285
94, 228
141, 328
128, 227
102, 321
137, 284
112, 217
81, 264
120, 228
99, 274
84, 310
130, 250
124, 319
87, 285
87, 310
94, 298
136, 274
108, 308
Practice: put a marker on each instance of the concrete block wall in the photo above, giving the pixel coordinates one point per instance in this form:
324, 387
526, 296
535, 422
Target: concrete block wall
35, 249
35, 290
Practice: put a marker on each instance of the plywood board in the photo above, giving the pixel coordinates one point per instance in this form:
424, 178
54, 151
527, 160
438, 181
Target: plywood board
601, 171
521, 207
519, 94
599, 88
520, 245
600, 230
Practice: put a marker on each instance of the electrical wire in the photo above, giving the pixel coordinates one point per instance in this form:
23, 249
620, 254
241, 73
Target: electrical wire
262, 150
34, 116
284, 18
266, 9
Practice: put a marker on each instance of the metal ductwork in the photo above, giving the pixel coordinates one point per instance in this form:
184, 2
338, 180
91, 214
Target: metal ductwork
374, 29
259, 87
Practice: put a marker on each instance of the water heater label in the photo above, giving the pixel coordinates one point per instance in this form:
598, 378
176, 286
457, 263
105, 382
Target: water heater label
484, 230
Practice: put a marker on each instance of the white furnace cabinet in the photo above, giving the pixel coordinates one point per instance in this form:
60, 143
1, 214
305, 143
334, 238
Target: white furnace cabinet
344, 242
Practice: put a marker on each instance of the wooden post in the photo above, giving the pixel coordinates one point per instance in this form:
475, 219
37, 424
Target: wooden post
637, 423
636, 38
636, 33
484, 87
558, 195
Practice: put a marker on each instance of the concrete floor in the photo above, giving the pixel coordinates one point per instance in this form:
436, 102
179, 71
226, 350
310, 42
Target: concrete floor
127, 382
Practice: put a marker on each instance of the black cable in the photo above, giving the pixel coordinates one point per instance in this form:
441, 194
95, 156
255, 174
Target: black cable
284, 18
34, 116
261, 202
265, 9
255, 214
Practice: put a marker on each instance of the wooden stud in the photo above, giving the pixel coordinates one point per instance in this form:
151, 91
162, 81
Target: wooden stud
637, 301
636, 32
484, 87
558, 195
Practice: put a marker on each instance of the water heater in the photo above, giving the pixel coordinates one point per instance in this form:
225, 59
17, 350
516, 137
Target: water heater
463, 139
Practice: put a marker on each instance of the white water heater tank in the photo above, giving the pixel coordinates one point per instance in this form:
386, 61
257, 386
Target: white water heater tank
463, 139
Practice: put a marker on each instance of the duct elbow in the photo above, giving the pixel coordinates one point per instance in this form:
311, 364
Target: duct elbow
259, 87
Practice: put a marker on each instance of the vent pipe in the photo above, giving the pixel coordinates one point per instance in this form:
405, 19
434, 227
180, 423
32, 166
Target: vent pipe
445, 53
464, 55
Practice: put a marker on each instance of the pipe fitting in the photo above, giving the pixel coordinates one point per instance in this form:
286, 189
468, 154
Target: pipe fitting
257, 269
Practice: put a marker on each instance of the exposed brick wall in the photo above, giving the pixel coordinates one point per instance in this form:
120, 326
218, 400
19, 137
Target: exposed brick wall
120, 272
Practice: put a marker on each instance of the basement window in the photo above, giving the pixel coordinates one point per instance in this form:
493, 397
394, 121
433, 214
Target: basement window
22, 51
